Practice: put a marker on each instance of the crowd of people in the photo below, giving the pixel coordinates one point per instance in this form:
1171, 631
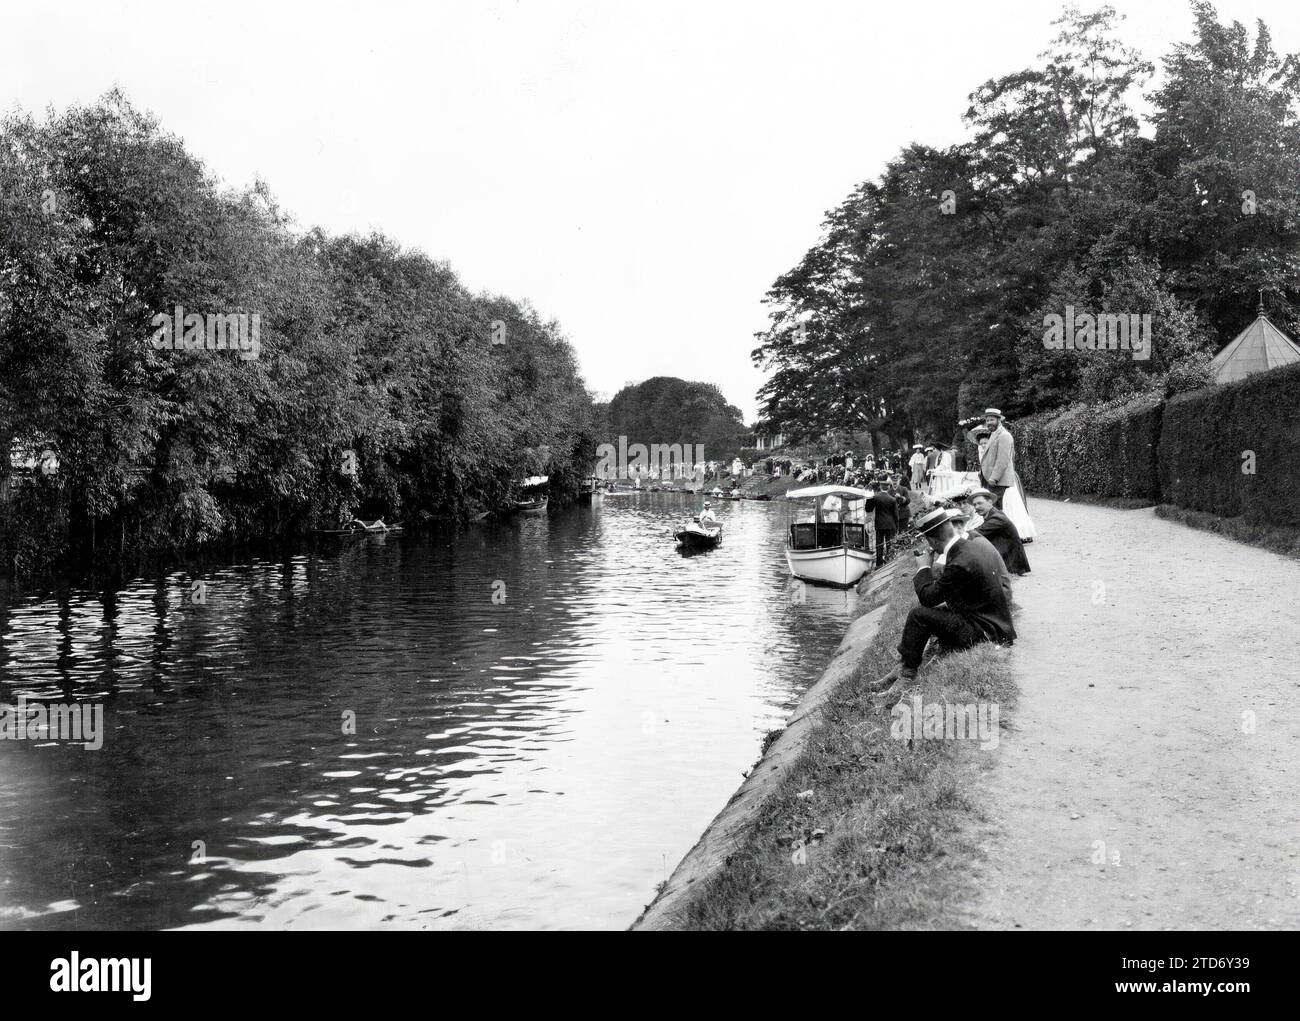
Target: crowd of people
973, 546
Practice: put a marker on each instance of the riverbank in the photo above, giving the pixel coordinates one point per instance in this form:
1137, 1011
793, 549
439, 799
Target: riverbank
841, 824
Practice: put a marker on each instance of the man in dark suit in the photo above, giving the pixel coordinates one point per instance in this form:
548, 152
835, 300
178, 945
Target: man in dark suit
965, 601
904, 499
1001, 531
886, 518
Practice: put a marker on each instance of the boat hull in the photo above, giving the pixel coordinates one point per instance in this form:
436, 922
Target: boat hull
694, 538
841, 566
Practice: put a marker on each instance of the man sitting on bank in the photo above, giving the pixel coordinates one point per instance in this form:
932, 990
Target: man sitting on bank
963, 603
1001, 531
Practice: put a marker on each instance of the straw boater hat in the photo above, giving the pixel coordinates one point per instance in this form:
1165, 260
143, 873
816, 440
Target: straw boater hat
931, 520
980, 492
917, 446
995, 412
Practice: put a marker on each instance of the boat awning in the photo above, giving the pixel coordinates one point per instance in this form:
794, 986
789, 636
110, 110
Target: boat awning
813, 492
535, 480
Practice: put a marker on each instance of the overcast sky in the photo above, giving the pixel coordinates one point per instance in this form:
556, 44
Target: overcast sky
640, 172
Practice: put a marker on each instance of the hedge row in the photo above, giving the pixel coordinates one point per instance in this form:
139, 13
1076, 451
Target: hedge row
1109, 450
1231, 450
1234, 450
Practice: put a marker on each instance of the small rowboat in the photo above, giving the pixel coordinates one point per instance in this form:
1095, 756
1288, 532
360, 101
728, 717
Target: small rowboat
530, 507
376, 527
695, 536
532, 500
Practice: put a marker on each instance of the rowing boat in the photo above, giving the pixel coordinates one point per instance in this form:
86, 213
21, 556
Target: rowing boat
695, 536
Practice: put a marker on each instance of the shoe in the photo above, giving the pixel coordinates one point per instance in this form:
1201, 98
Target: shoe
899, 673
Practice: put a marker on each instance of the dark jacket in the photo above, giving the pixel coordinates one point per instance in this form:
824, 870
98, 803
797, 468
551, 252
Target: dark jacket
886, 508
1001, 531
974, 584
904, 500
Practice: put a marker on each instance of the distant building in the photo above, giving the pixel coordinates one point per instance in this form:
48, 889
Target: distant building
768, 441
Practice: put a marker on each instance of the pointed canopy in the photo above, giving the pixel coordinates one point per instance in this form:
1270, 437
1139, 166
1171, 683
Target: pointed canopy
1260, 346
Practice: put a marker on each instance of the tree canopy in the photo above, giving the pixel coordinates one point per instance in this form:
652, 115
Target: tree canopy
381, 382
925, 298
669, 410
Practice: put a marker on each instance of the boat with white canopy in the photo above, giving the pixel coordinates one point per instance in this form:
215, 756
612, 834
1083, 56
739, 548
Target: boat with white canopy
829, 538
532, 496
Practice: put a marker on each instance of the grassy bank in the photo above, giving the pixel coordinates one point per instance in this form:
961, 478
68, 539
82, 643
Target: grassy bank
881, 818
1113, 502
1269, 537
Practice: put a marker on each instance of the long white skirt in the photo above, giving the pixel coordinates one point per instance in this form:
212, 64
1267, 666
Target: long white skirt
1013, 506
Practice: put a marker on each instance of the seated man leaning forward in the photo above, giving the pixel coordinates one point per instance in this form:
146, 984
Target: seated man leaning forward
963, 603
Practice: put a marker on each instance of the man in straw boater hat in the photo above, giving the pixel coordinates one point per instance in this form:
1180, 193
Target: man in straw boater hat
1001, 531
997, 457
967, 600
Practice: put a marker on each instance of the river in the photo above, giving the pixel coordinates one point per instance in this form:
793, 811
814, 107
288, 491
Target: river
522, 726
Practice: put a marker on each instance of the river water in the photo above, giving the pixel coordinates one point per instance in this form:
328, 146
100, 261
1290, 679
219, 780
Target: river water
522, 726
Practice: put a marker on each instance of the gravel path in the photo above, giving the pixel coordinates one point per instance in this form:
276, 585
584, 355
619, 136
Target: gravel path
1130, 792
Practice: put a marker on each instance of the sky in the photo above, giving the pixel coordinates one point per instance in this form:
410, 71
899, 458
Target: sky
640, 172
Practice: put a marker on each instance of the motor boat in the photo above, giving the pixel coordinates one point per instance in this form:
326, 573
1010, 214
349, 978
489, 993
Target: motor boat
830, 533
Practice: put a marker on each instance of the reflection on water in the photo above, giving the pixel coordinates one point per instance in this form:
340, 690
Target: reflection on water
362, 737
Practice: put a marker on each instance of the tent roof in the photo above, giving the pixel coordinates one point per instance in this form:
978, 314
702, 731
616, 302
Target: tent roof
815, 491
1260, 346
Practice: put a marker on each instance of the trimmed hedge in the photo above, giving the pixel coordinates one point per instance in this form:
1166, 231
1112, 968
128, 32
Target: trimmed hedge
1207, 435
1189, 451
1110, 450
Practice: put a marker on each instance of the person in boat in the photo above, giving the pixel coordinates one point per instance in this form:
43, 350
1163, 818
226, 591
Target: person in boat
707, 518
373, 526
962, 603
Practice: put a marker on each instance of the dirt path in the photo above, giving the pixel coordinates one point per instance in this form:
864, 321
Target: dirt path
1129, 743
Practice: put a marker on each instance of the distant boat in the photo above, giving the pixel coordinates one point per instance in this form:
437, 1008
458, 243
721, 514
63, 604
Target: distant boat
358, 527
590, 491
532, 501
827, 540
697, 536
